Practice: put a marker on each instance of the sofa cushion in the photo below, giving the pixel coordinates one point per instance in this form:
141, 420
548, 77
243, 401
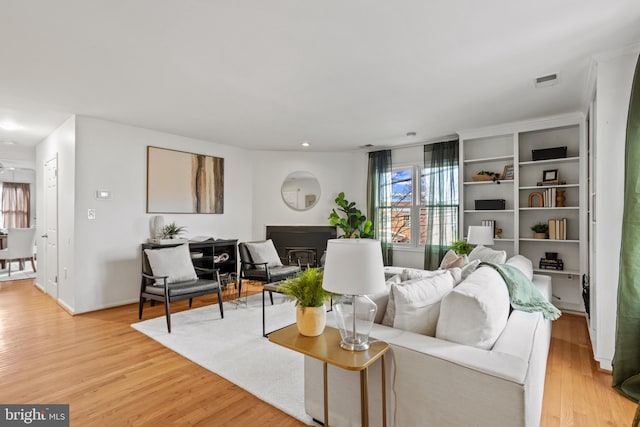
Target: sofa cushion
173, 262
485, 254
476, 311
417, 303
523, 264
262, 252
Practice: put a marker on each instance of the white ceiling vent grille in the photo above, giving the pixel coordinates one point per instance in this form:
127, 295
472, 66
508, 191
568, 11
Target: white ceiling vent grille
548, 80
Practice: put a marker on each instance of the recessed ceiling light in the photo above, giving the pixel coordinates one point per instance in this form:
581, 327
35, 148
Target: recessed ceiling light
411, 133
10, 126
305, 144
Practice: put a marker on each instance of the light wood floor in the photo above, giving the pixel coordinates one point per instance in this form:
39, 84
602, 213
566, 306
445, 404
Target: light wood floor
112, 375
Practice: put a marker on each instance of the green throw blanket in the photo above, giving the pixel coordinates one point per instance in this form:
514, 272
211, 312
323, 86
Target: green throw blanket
523, 294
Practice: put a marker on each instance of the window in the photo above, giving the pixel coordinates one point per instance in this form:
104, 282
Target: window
411, 186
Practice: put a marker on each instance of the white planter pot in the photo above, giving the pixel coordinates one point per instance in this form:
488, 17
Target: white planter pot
311, 321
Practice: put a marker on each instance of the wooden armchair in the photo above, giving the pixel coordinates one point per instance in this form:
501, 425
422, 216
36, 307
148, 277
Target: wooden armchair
260, 261
169, 275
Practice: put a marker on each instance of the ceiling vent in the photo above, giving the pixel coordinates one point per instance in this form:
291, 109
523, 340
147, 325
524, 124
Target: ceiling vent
548, 80
366, 146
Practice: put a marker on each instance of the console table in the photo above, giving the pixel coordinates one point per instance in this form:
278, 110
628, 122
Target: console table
204, 254
326, 348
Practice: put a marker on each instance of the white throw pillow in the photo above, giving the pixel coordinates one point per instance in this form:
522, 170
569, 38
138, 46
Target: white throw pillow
475, 312
417, 303
381, 298
264, 252
414, 273
173, 262
523, 264
485, 254
453, 260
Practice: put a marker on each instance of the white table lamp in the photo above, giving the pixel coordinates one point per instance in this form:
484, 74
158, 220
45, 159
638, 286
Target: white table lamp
353, 268
480, 235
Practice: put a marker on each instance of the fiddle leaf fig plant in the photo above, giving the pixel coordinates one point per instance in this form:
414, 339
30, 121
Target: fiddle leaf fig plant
353, 223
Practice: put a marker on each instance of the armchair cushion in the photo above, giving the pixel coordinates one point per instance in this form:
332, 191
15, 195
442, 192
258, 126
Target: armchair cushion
276, 273
262, 252
173, 262
184, 288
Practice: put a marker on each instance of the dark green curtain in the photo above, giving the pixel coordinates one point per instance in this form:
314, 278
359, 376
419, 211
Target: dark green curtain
441, 204
626, 361
379, 200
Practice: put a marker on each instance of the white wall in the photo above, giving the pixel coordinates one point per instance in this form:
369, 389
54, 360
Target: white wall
113, 157
614, 77
62, 143
335, 172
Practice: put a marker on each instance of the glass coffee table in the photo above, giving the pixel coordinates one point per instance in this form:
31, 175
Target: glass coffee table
268, 287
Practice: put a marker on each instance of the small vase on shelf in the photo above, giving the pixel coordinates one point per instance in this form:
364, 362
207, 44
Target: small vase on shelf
560, 198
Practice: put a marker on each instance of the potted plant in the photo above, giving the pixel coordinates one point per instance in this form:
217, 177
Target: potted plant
171, 231
484, 175
354, 224
306, 290
461, 247
540, 230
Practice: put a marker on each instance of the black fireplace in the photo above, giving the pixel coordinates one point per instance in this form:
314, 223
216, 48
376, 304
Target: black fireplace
304, 242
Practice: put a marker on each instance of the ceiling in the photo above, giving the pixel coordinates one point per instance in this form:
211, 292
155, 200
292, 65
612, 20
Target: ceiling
271, 74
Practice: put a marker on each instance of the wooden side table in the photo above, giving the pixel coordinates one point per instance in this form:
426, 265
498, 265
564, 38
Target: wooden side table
326, 348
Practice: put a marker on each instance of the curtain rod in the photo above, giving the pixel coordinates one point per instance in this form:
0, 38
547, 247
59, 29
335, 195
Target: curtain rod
415, 144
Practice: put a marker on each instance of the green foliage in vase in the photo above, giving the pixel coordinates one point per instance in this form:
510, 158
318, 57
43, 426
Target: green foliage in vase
461, 247
169, 231
541, 227
495, 177
306, 288
353, 223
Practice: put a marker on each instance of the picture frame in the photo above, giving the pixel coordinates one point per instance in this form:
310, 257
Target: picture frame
550, 175
182, 182
508, 172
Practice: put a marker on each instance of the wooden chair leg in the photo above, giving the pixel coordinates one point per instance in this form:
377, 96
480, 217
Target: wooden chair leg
140, 307
190, 302
271, 297
9, 261
33, 265
167, 312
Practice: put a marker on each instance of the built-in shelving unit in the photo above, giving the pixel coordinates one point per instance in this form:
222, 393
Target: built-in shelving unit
491, 149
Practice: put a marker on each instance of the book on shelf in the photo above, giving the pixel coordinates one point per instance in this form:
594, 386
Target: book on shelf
551, 264
558, 229
489, 223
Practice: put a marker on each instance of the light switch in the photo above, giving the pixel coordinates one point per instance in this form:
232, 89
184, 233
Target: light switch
91, 214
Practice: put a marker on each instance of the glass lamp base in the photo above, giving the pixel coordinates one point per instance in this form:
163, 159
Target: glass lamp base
354, 317
355, 346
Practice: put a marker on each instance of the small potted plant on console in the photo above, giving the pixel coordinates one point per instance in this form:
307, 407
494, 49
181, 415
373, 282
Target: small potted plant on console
306, 290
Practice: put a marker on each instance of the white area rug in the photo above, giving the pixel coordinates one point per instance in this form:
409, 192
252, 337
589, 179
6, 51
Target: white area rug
17, 274
235, 349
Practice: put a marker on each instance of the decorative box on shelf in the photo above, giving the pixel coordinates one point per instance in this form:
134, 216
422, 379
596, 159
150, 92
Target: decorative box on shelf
549, 153
490, 204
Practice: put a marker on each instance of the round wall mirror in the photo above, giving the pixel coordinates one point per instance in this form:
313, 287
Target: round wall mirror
300, 190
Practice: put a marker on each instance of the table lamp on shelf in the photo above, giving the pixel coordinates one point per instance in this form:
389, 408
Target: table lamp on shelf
480, 235
353, 269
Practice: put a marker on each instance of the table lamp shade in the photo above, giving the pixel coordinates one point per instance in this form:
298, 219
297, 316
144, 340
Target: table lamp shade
480, 235
353, 267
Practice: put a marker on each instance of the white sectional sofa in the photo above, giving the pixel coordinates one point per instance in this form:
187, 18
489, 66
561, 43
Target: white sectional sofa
432, 381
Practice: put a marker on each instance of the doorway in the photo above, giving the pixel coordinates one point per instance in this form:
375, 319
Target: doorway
51, 227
